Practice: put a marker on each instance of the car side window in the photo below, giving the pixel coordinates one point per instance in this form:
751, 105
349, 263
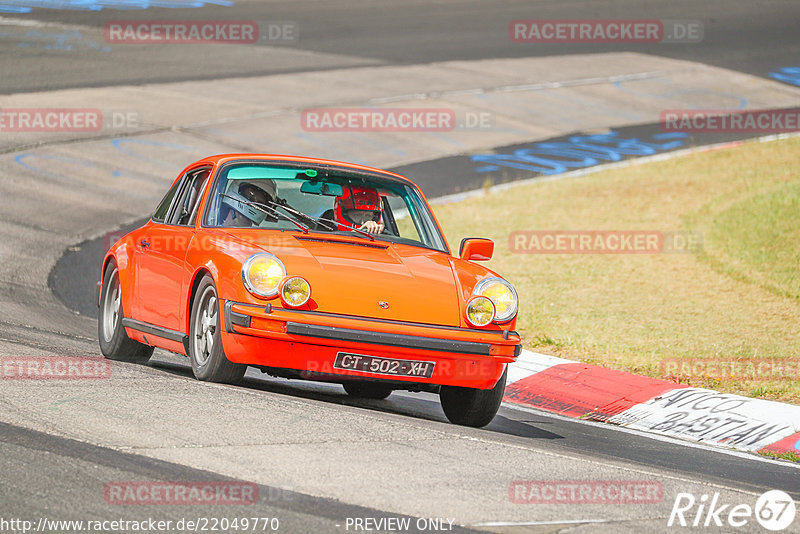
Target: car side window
401, 221
161, 211
198, 187
188, 199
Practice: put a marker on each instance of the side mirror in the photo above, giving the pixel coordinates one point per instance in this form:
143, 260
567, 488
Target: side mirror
476, 249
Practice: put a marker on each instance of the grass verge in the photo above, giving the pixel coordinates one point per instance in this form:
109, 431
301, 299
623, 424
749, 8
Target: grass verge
792, 457
726, 308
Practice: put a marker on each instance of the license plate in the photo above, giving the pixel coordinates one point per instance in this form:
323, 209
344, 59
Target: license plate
383, 366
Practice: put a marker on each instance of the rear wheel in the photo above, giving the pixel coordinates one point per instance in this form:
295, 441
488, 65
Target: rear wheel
367, 390
209, 362
472, 407
114, 341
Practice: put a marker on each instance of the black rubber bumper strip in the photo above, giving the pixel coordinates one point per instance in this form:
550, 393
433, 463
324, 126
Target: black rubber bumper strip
394, 340
154, 330
235, 318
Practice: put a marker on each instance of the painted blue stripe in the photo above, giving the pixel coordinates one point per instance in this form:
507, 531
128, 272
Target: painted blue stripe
578, 152
26, 6
788, 75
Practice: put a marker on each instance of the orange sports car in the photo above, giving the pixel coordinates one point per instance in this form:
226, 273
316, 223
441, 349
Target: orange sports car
313, 269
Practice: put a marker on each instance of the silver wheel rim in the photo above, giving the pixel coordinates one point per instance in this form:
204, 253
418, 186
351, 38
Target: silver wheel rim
205, 326
112, 306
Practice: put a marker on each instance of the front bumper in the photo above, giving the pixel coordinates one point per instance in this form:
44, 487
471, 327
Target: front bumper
309, 341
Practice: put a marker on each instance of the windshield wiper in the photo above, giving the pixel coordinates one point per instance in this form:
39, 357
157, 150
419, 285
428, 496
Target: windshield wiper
324, 220
269, 210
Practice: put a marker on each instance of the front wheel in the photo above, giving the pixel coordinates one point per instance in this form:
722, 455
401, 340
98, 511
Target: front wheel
367, 390
114, 341
209, 362
472, 407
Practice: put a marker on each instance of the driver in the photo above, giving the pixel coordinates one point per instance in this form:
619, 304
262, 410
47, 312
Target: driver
237, 213
360, 207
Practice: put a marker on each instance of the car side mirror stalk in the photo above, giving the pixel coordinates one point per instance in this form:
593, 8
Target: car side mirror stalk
476, 249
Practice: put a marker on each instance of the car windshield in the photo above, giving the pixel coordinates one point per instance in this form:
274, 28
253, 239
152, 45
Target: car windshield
321, 200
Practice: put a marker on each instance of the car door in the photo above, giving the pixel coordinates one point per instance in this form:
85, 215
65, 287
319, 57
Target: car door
160, 256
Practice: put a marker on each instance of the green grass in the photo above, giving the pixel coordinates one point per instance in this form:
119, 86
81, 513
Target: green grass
791, 456
738, 298
760, 237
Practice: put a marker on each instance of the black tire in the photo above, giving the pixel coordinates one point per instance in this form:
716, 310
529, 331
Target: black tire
209, 362
472, 407
114, 341
367, 390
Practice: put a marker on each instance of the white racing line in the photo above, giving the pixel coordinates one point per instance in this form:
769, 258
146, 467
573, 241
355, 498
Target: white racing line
636, 470
536, 523
33, 23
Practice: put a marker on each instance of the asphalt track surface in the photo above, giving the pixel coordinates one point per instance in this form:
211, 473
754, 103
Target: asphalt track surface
737, 35
67, 470
45, 474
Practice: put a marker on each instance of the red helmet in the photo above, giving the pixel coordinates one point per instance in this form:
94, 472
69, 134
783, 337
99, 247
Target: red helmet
357, 199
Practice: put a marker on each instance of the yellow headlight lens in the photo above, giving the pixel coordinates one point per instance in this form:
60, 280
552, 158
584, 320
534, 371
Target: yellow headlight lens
295, 291
480, 311
262, 273
502, 295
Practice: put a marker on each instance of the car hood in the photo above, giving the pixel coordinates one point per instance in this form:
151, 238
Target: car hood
356, 276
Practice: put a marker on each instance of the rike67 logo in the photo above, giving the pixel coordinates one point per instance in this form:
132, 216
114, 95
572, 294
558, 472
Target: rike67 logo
774, 510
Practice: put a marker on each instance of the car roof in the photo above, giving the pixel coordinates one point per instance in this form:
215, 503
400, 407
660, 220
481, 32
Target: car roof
220, 159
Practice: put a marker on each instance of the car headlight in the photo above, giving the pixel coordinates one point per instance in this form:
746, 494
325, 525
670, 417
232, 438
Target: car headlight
262, 273
480, 311
295, 291
503, 296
